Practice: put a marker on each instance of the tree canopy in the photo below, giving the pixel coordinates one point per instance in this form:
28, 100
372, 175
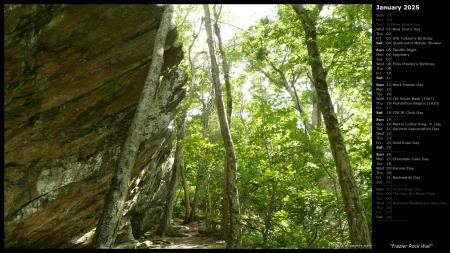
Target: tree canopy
288, 185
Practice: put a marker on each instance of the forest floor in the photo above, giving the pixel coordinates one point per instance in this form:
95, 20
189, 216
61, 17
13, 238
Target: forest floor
186, 236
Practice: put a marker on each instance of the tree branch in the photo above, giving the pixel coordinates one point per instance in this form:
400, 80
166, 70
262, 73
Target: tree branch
249, 225
291, 89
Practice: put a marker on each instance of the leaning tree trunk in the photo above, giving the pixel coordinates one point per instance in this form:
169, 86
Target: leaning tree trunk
235, 219
108, 224
359, 232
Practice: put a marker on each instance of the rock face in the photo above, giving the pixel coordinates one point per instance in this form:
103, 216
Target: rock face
73, 77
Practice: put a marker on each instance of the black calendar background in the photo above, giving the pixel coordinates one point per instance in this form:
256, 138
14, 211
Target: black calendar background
416, 226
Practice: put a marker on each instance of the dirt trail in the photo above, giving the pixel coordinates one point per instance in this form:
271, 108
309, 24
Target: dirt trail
191, 237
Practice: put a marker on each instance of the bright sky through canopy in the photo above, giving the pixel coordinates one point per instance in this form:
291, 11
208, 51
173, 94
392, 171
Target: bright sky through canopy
242, 17
246, 15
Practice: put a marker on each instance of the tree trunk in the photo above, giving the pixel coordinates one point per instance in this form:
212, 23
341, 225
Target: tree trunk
226, 69
201, 167
235, 219
186, 196
271, 192
108, 224
359, 232
290, 88
208, 215
316, 117
225, 218
183, 115
229, 109
268, 221
164, 225
197, 190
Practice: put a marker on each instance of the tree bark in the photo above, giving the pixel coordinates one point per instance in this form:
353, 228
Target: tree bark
186, 196
225, 227
164, 226
225, 221
226, 69
359, 232
208, 213
225, 218
197, 190
201, 167
108, 224
235, 219
316, 117
268, 221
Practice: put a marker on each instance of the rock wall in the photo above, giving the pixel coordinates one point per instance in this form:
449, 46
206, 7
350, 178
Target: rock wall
73, 77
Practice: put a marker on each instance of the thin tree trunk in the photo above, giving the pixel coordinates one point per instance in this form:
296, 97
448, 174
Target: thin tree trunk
197, 190
164, 225
179, 156
235, 219
315, 119
226, 69
268, 216
201, 167
225, 218
186, 196
289, 88
225, 206
185, 108
208, 215
207, 107
108, 224
268, 221
359, 232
